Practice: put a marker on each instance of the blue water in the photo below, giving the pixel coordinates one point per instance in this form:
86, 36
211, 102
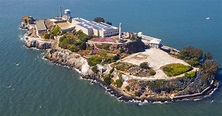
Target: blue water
31, 86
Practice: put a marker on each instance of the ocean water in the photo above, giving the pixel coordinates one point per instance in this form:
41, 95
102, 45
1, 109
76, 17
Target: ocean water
31, 86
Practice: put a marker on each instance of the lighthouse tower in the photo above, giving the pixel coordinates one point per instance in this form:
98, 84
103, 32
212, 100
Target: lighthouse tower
120, 31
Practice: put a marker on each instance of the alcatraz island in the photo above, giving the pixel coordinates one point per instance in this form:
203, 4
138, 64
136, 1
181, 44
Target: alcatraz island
131, 66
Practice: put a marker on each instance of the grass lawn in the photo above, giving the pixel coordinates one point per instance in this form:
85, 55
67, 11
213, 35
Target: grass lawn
175, 69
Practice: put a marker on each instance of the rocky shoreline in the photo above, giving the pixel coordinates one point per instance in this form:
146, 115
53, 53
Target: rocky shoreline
95, 78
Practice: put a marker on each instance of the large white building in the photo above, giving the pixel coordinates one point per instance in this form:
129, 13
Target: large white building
93, 28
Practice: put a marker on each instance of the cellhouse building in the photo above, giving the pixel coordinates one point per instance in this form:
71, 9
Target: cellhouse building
93, 28
67, 23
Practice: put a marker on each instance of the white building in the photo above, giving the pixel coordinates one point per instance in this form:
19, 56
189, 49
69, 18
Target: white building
93, 28
153, 42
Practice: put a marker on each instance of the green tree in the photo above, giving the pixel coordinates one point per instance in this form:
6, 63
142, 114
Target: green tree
99, 19
107, 79
144, 65
108, 22
119, 83
190, 52
56, 30
95, 69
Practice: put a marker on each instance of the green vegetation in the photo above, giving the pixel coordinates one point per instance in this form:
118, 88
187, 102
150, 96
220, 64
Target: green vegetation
136, 93
107, 79
47, 36
119, 83
175, 69
100, 19
134, 69
191, 75
210, 67
144, 65
108, 22
95, 69
191, 55
127, 88
108, 58
105, 46
74, 42
56, 30
196, 58
93, 60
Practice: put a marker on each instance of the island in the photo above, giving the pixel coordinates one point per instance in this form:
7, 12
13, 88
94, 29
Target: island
131, 66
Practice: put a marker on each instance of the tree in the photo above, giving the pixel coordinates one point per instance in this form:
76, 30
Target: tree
56, 30
95, 69
190, 52
99, 19
210, 66
119, 83
144, 65
108, 22
107, 79
47, 36
208, 56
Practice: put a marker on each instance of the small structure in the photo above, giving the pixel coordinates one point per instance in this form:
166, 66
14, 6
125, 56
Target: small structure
120, 31
155, 43
67, 15
40, 27
28, 20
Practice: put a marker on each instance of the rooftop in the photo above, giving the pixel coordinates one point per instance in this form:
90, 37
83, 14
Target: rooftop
95, 25
40, 25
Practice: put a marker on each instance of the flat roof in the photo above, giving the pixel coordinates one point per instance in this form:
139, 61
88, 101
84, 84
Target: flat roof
65, 25
40, 25
95, 25
155, 41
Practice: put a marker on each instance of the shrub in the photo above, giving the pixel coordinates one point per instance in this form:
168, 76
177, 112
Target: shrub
95, 69
56, 30
119, 83
136, 93
47, 36
190, 52
152, 72
127, 88
190, 75
105, 46
111, 71
144, 65
99, 19
93, 60
175, 69
107, 79
108, 22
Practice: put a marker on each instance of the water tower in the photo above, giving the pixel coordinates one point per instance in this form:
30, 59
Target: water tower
67, 14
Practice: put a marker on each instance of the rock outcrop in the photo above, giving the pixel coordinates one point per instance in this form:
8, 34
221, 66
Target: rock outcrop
34, 43
67, 58
130, 47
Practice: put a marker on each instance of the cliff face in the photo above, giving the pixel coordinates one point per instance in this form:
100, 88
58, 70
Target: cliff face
70, 59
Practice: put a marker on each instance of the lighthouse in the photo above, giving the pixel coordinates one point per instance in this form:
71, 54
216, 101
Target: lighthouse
120, 31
